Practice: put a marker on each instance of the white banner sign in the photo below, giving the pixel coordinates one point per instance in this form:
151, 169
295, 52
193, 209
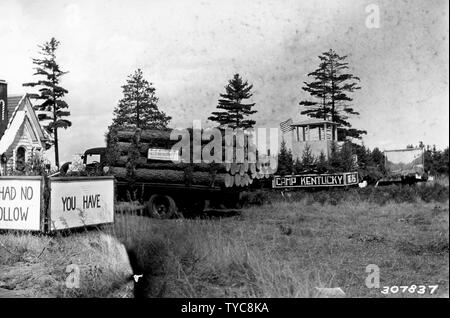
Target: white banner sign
81, 202
163, 154
404, 161
20, 203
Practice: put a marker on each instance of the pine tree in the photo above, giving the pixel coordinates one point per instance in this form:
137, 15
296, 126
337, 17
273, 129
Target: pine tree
377, 159
330, 88
363, 155
346, 156
436, 161
322, 163
317, 89
308, 160
334, 159
285, 163
53, 108
235, 111
298, 168
444, 162
138, 108
290, 161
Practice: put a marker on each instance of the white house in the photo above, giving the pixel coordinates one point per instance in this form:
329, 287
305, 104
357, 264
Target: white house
20, 131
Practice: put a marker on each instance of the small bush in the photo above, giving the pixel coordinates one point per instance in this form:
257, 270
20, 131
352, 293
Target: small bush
381, 195
437, 245
322, 197
257, 197
436, 192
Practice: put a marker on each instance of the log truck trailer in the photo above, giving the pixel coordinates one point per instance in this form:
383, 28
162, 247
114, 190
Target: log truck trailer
167, 199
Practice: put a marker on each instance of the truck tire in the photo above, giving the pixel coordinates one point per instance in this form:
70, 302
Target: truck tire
161, 207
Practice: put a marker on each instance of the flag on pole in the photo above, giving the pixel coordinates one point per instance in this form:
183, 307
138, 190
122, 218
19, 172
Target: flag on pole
286, 125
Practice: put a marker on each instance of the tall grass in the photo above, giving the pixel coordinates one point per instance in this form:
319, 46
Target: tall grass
284, 247
436, 190
204, 258
287, 249
37, 264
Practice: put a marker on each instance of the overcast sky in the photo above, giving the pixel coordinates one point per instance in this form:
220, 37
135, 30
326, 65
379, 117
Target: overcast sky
189, 50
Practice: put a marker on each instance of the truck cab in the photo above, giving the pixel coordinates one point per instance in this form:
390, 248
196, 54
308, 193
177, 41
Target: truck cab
94, 158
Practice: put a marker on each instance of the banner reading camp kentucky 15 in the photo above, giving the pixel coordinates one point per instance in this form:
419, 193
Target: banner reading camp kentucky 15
316, 180
20, 203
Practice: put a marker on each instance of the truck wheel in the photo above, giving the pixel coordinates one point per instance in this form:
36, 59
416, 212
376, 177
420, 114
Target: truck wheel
161, 206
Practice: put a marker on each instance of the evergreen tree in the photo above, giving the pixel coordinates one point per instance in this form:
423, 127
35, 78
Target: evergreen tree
308, 160
331, 88
444, 162
52, 107
436, 161
317, 89
346, 157
298, 168
290, 161
285, 166
322, 163
138, 108
235, 112
377, 159
363, 155
334, 160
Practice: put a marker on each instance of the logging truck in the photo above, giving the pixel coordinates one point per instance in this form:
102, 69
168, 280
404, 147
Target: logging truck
165, 193
147, 168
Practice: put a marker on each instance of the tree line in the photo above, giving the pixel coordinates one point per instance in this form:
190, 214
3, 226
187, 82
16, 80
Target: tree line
370, 164
348, 157
330, 91
436, 161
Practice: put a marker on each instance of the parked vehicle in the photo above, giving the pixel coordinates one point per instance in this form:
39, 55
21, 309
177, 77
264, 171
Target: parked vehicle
404, 166
154, 176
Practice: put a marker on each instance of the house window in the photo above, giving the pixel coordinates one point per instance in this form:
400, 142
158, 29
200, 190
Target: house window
20, 159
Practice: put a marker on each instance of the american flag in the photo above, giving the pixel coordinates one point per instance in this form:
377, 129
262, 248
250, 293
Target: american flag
286, 125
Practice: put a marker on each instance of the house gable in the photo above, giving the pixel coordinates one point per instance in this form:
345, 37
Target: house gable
33, 119
31, 133
23, 130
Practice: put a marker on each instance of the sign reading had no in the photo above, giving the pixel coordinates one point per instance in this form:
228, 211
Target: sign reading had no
20, 203
81, 202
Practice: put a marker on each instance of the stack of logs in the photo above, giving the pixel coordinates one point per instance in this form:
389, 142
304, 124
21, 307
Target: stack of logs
243, 174
130, 162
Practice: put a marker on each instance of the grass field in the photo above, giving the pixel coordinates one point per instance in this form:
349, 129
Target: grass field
283, 248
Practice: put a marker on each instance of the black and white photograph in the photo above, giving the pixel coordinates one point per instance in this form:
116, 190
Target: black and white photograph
224, 153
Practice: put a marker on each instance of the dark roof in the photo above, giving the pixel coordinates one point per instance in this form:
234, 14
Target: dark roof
13, 101
95, 151
313, 122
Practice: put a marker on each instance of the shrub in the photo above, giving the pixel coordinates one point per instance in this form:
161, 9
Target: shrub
36, 165
257, 197
379, 195
435, 192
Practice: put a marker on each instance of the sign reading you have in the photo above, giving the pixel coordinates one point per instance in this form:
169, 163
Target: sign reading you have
20, 201
81, 202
